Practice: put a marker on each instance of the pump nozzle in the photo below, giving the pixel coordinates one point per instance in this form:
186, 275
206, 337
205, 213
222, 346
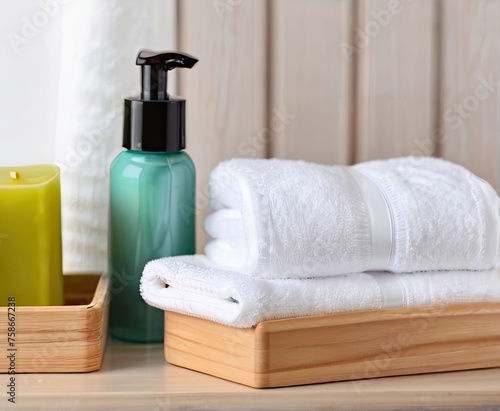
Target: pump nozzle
154, 70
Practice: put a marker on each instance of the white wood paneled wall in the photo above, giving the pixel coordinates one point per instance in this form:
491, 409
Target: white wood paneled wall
396, 105
226, 90
341, 81
470, 86
311, 79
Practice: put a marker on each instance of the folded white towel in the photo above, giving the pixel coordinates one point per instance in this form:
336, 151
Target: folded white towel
283, 218
198, 289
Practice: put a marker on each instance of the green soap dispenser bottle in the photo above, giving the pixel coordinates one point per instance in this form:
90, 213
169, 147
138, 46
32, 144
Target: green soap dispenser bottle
152, 196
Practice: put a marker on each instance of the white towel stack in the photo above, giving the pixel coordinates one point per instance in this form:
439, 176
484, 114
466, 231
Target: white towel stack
292, 238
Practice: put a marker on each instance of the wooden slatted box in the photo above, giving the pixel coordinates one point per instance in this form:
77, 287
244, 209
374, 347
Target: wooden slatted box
69, 338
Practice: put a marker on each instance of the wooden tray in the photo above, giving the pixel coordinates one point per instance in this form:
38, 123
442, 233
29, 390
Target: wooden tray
344, 346
69, 338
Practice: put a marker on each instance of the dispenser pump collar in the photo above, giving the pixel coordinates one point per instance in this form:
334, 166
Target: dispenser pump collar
154, 71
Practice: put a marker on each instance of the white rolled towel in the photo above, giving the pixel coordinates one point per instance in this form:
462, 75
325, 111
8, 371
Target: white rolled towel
191, 285
293, 219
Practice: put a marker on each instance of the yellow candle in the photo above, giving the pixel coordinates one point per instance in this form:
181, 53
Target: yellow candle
30, 235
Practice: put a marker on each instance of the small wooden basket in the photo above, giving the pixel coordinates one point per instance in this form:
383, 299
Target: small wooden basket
336, 347
69, 338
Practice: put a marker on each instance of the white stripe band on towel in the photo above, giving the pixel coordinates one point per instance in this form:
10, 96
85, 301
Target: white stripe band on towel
393, 296
380, 220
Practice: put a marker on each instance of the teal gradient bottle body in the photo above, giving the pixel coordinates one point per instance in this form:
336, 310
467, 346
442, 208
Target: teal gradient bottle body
152, 203
152, 197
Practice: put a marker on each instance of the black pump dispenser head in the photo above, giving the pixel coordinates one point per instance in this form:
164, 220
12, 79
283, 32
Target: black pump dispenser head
156, 121
154, 71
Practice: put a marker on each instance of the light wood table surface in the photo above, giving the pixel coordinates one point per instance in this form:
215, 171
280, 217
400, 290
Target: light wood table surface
136, 377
